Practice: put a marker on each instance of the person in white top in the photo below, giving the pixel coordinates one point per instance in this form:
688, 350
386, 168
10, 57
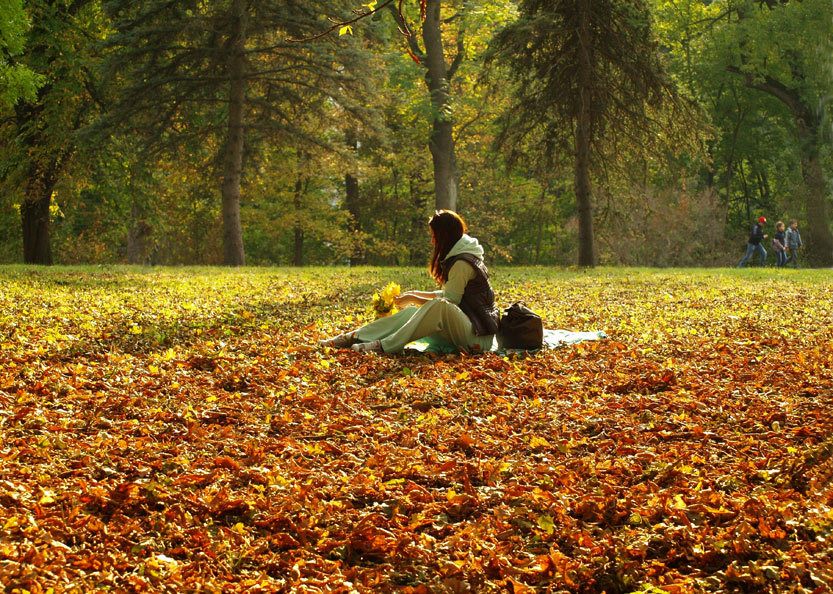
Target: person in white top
461, 314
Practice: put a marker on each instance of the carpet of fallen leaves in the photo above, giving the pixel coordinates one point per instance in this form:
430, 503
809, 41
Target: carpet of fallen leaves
178, 430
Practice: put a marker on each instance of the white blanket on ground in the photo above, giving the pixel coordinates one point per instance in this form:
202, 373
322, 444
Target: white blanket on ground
552, 339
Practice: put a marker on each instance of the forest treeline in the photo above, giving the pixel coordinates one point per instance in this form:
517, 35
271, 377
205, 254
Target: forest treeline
634, 132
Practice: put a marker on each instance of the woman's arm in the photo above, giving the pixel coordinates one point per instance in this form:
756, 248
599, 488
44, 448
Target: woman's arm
459, 275
414, 298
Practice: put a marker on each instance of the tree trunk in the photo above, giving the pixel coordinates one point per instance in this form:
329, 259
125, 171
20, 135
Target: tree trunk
134, 236
441, 143
298, 257
139, 230
819, 239
540, 226
586, 241
746, 197
233, 254
419, 202
763, 186
34, 215
39, 182
352, 201
300, 190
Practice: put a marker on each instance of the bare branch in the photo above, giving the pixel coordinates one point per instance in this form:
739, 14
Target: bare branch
455, 64
359, 17
413, 45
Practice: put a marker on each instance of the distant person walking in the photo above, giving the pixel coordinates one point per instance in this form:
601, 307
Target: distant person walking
779, 244
793, 243
754, 243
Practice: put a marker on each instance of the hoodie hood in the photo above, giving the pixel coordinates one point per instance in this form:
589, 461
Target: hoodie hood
466, 245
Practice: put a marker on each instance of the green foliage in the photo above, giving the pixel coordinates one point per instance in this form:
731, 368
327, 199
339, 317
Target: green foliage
759, 82
145, 190
17, 81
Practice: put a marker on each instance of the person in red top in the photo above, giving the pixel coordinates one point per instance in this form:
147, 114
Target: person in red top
754, 243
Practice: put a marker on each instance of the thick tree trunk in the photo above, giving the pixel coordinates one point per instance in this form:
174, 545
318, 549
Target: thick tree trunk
586, 256
819, 239
233, 254
583, 136
39, 183
34, 215
441, 143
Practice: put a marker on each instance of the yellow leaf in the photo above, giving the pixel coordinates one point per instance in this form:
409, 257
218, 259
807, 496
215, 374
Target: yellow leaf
538, 442
12, 522
546, 524
345, 29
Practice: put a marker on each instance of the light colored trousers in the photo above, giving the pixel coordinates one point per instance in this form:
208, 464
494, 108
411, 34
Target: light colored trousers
443, 322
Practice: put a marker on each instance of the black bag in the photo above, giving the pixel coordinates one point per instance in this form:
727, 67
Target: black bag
520, 328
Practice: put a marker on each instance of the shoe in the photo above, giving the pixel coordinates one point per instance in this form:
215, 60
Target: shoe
342, 341
368, 347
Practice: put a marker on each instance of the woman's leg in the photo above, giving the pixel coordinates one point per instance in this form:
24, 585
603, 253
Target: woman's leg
383, 327
437, 316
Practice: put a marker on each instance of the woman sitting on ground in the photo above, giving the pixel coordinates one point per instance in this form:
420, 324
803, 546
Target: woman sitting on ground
461, 314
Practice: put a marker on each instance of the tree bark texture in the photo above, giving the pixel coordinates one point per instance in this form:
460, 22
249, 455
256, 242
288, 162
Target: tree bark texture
583, 135
34, 215
441, 143
586, 256
819, 238
233, 254
39, 183
352, 200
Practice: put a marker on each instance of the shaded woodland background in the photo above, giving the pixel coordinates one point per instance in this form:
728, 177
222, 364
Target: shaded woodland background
205, 133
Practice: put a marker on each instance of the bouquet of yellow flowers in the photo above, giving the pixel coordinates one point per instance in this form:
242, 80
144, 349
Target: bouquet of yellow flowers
383, 302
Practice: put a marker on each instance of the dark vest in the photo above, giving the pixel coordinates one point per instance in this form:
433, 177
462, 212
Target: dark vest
478, 302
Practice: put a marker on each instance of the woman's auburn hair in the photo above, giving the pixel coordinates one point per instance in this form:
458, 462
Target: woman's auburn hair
448, 228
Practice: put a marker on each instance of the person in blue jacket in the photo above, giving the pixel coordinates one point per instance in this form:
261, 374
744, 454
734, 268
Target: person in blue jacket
754, 243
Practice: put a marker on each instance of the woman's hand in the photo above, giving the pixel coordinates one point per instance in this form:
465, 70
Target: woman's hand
405, 299
412, 298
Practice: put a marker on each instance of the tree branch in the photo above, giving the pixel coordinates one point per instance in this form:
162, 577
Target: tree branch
773, 87
359, 17
458, 59
413, 45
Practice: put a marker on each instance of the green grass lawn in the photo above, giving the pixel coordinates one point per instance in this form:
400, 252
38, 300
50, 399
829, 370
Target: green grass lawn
176, 429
